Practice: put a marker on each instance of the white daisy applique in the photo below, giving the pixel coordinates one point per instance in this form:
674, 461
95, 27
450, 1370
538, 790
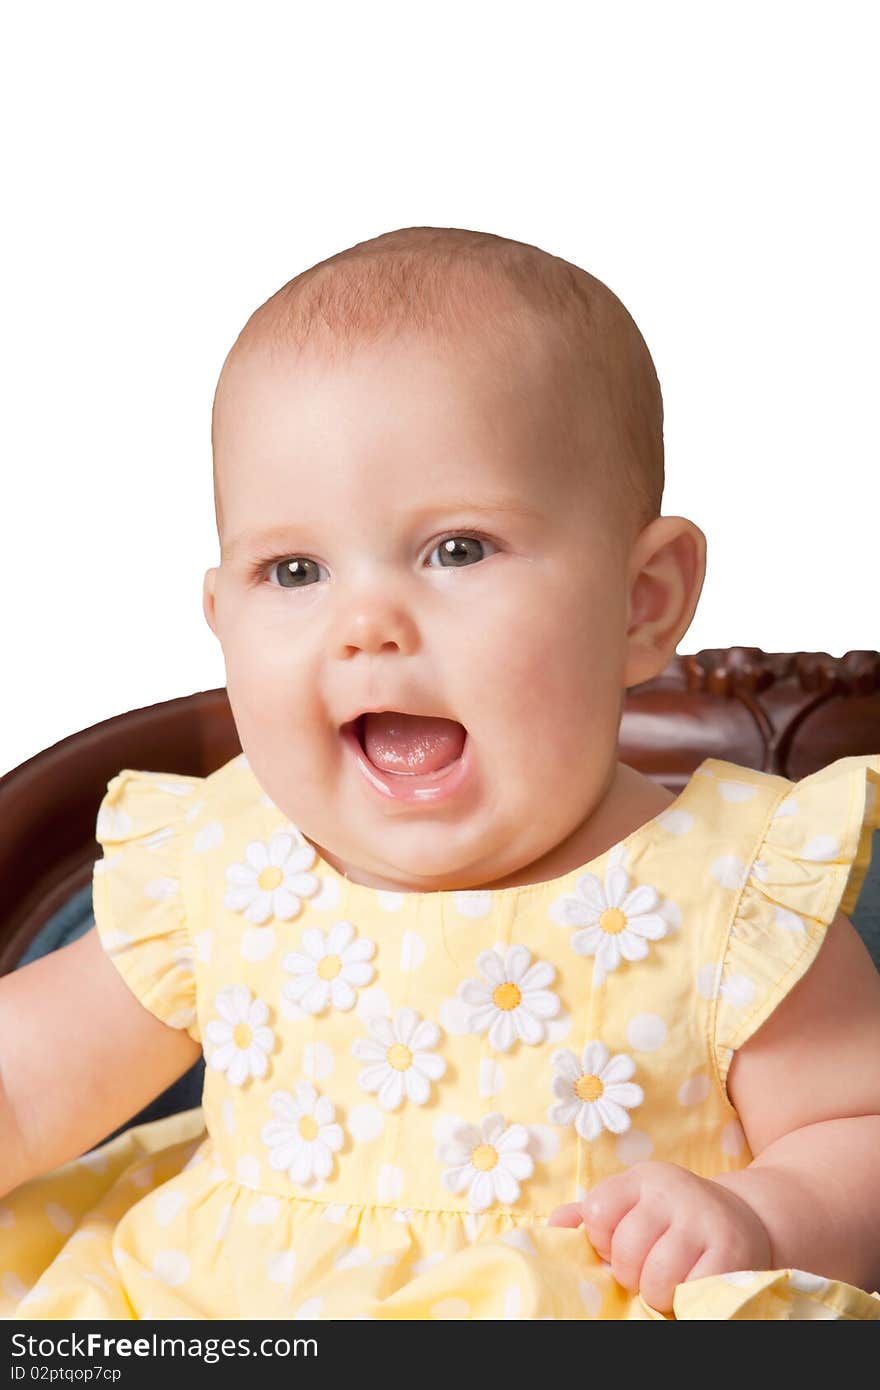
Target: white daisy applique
616, 922
272, 881
490, 1161
399, 1057
594, 1093
512, 999
241, 1041
329, 969
304, 1136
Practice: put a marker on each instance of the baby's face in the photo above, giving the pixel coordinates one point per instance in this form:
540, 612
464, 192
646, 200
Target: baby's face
359, 470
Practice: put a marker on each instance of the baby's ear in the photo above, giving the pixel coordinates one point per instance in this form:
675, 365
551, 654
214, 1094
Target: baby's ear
208, 599
666, 572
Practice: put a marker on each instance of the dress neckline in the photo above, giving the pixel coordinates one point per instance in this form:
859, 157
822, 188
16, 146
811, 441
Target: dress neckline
364, 893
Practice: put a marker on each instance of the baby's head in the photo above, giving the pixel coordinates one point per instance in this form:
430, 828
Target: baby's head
438, 470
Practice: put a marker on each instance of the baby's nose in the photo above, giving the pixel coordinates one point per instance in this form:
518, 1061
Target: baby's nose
376, 627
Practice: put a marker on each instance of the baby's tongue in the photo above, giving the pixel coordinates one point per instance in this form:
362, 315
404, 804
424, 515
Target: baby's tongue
411, 743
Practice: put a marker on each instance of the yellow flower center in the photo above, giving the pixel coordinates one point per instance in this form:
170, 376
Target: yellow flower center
484, 1157
329, 967
308, 1128
612, 920
270, 878
506, 997
241, 1035
588, 1087
399, 1057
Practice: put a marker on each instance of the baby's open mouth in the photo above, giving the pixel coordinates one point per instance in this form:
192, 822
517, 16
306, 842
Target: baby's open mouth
408, 744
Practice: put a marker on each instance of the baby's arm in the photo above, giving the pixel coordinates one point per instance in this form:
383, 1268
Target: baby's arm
79, 1055
806, 1088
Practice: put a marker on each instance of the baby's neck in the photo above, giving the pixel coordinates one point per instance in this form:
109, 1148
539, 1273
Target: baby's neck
630, 800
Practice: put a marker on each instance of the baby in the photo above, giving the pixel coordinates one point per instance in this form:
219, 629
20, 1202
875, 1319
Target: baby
495, 1025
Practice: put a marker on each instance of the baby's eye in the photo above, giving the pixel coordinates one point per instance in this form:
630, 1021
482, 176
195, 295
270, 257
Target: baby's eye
456, 550
293, 572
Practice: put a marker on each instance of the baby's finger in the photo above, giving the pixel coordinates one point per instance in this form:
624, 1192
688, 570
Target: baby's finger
571, 1214
605, 1205
666, 1265
710, 1262
633, 1239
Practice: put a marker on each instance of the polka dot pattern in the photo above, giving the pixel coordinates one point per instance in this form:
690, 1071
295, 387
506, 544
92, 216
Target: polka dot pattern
224, 1220
373, 1002
591, 1297
280, 1267
646, 1032
258, 943
451, 1308
391, 1183
167, 1206
733, 1139
473, 904
204, 944
265, 1211
737, 791
491, 1077
172, 1267
318, 1061
695, 1090
413, 951
822, 847
247, 1171
353, 1259
63, 1220
634, 1146
390, 902
512, 1302
208, 837
366, 1122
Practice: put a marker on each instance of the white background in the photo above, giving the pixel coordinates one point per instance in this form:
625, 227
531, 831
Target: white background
168, 166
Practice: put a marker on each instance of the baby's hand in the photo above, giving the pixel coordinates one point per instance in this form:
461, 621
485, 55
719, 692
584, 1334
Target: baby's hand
659, 1225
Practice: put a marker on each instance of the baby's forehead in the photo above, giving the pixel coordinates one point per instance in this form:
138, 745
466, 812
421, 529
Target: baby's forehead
451, 372
479, 396
582, 399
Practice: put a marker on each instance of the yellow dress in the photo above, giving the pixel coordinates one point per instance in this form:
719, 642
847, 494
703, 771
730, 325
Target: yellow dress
401, 1088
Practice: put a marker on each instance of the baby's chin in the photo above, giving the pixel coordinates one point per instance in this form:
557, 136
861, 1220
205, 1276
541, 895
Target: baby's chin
414, 852
431, 868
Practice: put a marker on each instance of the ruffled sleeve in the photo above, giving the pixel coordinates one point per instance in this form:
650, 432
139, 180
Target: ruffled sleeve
810, 864
138, 891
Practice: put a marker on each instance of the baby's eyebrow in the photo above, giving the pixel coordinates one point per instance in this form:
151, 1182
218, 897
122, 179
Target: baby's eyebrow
278, 535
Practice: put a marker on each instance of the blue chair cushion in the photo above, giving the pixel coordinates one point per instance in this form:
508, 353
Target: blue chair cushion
866, 913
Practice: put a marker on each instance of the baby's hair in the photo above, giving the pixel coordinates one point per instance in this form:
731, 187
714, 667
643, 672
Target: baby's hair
456, 286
